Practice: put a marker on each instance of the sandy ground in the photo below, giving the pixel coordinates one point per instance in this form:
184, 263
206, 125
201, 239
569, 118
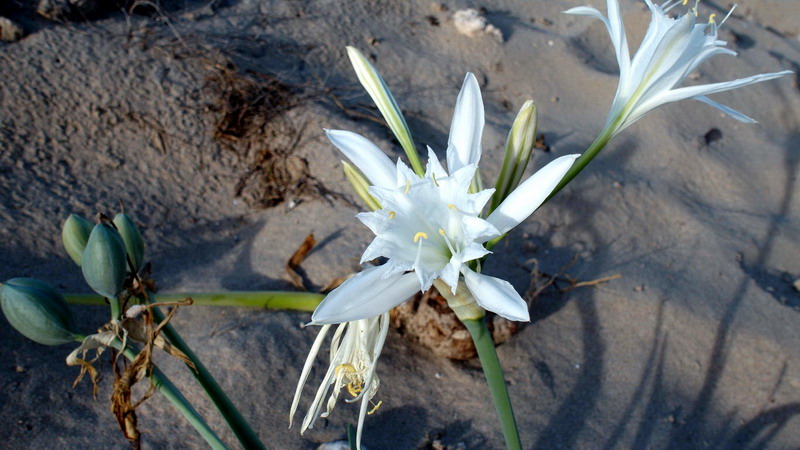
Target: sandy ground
695, 346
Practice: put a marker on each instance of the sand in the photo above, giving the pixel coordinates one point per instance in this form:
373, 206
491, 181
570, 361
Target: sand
695, 346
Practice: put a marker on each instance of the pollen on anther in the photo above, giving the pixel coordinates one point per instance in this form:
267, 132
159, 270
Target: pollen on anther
392, 215
452, 206
441, 231
408, 186
375, 408
711, 18
420, 235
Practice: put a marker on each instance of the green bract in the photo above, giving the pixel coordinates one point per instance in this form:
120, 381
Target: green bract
74, 235
37, 310
134, 244
103, 263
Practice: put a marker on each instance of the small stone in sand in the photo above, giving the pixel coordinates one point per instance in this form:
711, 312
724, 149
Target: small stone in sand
470, 22
9, 30
796, 284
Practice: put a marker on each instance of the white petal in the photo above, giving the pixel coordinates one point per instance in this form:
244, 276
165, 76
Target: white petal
384, 330
312, 354
367, 294
615, 30
434, 166
530, 194
404, 173
727, 110
464, 145
496, 295
701, 90
369, 159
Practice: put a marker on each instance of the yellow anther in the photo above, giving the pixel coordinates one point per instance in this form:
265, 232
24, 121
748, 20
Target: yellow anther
419, 235
685, 2
441, 231
711, 18
408, 186
452, 206
375, 408
392, 215
354, 388
344, 366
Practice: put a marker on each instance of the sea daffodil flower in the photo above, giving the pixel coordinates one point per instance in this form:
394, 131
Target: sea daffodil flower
671, 49
430, 226
354, 352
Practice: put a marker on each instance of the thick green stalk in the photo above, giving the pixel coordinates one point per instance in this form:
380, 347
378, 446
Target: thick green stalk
495, 380
171, 393
227, 409
297, 301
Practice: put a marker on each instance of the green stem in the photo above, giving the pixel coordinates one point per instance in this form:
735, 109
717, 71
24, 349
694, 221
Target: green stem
248, 438
494, 378
584, 159
297, 301
171, 393
116, 310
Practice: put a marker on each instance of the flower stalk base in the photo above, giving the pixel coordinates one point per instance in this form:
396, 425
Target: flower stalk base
494, 378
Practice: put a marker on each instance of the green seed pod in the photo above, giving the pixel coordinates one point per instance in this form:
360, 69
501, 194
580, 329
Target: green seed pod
103, 263
37, 311
134, 244
74, 235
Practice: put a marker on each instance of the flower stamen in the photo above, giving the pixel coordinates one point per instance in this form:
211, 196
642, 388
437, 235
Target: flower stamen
354, 385
392, 215
375, 408
408, 186
420, 235
447, 241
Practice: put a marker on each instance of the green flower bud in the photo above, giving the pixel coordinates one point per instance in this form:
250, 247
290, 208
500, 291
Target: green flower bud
360, 185
37, 310
134, 244
103, 263
519, 146
377, 89
74, 235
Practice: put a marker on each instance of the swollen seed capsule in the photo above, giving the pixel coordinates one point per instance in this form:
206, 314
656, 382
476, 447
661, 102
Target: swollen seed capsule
134, 244
74, 235
103, 262
37, 310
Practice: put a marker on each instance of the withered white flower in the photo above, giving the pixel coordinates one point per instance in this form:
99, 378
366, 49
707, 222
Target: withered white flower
354, 352
672, 48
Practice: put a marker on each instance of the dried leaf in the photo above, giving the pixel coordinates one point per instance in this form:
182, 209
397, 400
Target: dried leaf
297, 258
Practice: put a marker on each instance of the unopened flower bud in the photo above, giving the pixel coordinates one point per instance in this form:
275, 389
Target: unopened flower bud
103, 263
74, 235
360, 185
519, 146
134, 244
37, 310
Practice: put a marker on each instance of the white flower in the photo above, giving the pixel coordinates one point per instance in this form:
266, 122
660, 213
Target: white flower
671, 49
431, 224
354, 352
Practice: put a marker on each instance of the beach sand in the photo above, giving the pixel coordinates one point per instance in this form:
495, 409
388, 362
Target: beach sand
696, 345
